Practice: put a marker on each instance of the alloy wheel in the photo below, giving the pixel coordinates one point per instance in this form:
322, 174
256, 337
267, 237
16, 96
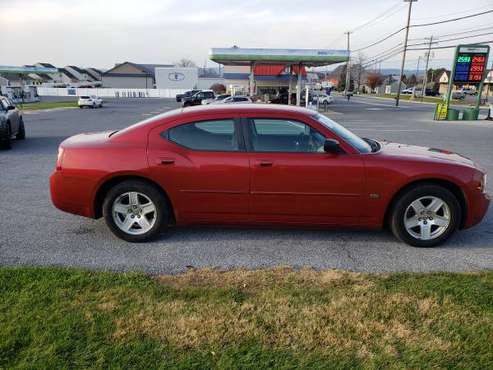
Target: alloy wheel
134, 213
427, 218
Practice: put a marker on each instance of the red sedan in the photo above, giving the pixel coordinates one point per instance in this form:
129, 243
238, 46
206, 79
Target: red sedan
263, 165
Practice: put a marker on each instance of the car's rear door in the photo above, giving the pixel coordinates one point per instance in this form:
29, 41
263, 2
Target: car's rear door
203, 164
294, 180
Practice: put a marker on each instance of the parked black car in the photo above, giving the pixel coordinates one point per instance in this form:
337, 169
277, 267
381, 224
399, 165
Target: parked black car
431, 92
11, 123
187, 94
198, 97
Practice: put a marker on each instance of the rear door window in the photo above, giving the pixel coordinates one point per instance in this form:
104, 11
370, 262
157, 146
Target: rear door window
213, 135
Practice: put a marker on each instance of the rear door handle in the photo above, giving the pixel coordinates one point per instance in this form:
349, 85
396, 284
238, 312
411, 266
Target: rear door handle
265, 164
167, 161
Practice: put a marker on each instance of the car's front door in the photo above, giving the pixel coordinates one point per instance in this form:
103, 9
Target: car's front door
204, 167
294, 180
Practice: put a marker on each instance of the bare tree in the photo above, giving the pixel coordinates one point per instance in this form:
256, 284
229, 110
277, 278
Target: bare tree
374, 80
358, 70
218, 88
185, 63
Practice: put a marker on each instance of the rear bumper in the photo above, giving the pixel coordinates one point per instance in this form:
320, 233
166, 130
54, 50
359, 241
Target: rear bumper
478, 206
66, 196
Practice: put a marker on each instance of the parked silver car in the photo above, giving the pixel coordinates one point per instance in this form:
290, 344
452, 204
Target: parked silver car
11, 123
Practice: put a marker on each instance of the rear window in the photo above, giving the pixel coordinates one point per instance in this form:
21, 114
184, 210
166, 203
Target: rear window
85, 97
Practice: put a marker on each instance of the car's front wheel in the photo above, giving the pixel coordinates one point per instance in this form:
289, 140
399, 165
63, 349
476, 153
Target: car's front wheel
425, 216
136, 211
6, 143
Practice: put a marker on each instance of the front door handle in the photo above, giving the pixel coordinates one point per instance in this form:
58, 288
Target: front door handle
167, 161
265, 164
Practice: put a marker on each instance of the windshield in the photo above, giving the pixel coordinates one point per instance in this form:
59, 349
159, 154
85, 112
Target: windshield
361, 145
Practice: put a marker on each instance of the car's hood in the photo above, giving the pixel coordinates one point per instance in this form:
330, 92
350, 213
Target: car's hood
421, 152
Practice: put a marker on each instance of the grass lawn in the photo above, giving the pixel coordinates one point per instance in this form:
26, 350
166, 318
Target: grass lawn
280, 318
49, 105
426, 99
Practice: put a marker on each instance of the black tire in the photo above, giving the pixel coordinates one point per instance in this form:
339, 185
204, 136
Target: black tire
401, 205
6, 142
162, 214
21, 134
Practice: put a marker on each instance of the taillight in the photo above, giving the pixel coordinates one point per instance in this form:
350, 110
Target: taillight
59, 159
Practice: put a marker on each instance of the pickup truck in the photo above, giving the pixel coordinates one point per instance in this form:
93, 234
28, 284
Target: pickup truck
197, 98
186, 94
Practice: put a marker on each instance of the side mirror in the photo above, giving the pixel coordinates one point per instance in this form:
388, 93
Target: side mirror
332, 146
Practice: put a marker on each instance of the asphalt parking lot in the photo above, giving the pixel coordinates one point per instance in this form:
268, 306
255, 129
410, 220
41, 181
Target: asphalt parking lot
33, 232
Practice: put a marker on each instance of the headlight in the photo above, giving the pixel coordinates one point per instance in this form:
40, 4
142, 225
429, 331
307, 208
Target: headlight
482, 185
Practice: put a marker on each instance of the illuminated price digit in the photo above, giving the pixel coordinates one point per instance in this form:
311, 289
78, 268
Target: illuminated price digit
478, 59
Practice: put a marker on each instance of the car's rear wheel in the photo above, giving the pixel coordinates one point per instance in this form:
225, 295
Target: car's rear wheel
21, 134
136, 211
6, 143
425, 216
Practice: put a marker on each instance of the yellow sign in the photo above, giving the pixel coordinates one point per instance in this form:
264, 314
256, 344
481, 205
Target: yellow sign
441, 111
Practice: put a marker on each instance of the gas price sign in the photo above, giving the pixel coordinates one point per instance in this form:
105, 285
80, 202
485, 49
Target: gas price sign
470, 64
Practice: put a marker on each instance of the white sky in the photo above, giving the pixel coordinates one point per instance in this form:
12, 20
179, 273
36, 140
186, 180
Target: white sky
104, 32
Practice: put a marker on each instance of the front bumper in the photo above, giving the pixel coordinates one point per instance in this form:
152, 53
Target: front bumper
477, 209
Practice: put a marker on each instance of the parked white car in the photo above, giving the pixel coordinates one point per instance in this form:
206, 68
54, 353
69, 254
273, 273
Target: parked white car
92, 101
237, 99
323, 99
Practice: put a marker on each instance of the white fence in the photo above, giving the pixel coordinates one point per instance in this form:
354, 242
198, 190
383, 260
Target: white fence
110, 93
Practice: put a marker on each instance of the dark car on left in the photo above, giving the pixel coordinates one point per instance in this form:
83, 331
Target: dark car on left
11, 123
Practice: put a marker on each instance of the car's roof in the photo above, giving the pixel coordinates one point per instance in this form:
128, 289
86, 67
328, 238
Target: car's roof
219, 109
245, 108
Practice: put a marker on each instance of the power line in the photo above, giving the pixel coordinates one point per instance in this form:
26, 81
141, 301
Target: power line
383, 59
466, 31
452, 19
389, 12
398, 48
453, 46
455, 13
422, 25
456, 38
382, 40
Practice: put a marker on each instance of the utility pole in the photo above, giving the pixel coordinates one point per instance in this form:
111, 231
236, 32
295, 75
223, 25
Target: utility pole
348, 66
404, 52
425, 80
417, 77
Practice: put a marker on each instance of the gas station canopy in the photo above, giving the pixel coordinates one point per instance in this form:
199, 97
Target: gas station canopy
306, 57
236, 56
27, 70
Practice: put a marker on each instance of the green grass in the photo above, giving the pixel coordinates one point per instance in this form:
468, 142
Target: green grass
65, 318
48, 105
427, 99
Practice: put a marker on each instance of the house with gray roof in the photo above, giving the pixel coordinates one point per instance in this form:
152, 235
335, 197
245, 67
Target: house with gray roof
130, 75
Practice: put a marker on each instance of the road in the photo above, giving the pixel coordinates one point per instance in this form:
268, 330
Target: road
33, 232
